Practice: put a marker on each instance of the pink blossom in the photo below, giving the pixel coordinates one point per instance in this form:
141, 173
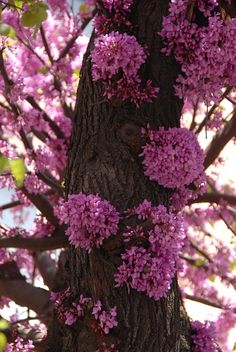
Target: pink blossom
116, 59
19, 345
107, 320
91, 220
173, 157
206, 52
150, 269
70, 317
115, 51
204, 337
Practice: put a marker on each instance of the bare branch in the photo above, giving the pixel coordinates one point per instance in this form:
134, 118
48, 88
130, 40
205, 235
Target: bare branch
26, 295
212, 110
32, 50
220, 140
35, 244
46, 267
215, 198
10, 205
204, 301
72, 41
45, 43
51, 182
55, 128
204, 254
43, 205
14, 286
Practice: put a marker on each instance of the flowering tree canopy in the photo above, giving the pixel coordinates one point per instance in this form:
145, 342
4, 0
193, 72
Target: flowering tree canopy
115, 206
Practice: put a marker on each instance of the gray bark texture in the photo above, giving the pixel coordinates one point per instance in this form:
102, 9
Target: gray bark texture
104, 159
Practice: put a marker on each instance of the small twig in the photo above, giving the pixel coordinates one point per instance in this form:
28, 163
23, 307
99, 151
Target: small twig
51, 123
5, 107
220, 140
71, 42
42, 203
51, 182
193, 123
10, 205
32, 50
211, 111
45, 43
225, 221
201, 252
214, 198
205, 301
8, 82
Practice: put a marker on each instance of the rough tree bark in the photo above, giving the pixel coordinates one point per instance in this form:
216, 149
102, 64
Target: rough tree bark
104, 159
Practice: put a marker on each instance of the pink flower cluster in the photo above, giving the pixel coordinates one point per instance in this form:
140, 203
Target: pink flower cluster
173, 157
7, 150
91, 220
105, 320
114, 52
204, 337
116, 59
225, 322
34, 185
206, 52
151, 266
19, 345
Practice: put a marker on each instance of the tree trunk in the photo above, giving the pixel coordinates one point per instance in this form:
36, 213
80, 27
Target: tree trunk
104, 159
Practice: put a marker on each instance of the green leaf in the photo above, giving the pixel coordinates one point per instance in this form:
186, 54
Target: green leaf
233, 265
7, 31
212, 278
200, 262
43, 69
35, 15
3, 163
4, 324
3, 342
18, 171
18, 4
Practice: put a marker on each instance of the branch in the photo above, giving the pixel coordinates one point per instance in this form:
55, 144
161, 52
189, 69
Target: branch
25, 140
43, 205
204, 301
45, 43
26, 295
51, 123
10, 205
68, 46
220, 140
214, 198
42, 136
226, 222
46, 267
51, 182
14, 286
211, 111
72, 41
8, 82
32, 50
204, 254
35, 244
